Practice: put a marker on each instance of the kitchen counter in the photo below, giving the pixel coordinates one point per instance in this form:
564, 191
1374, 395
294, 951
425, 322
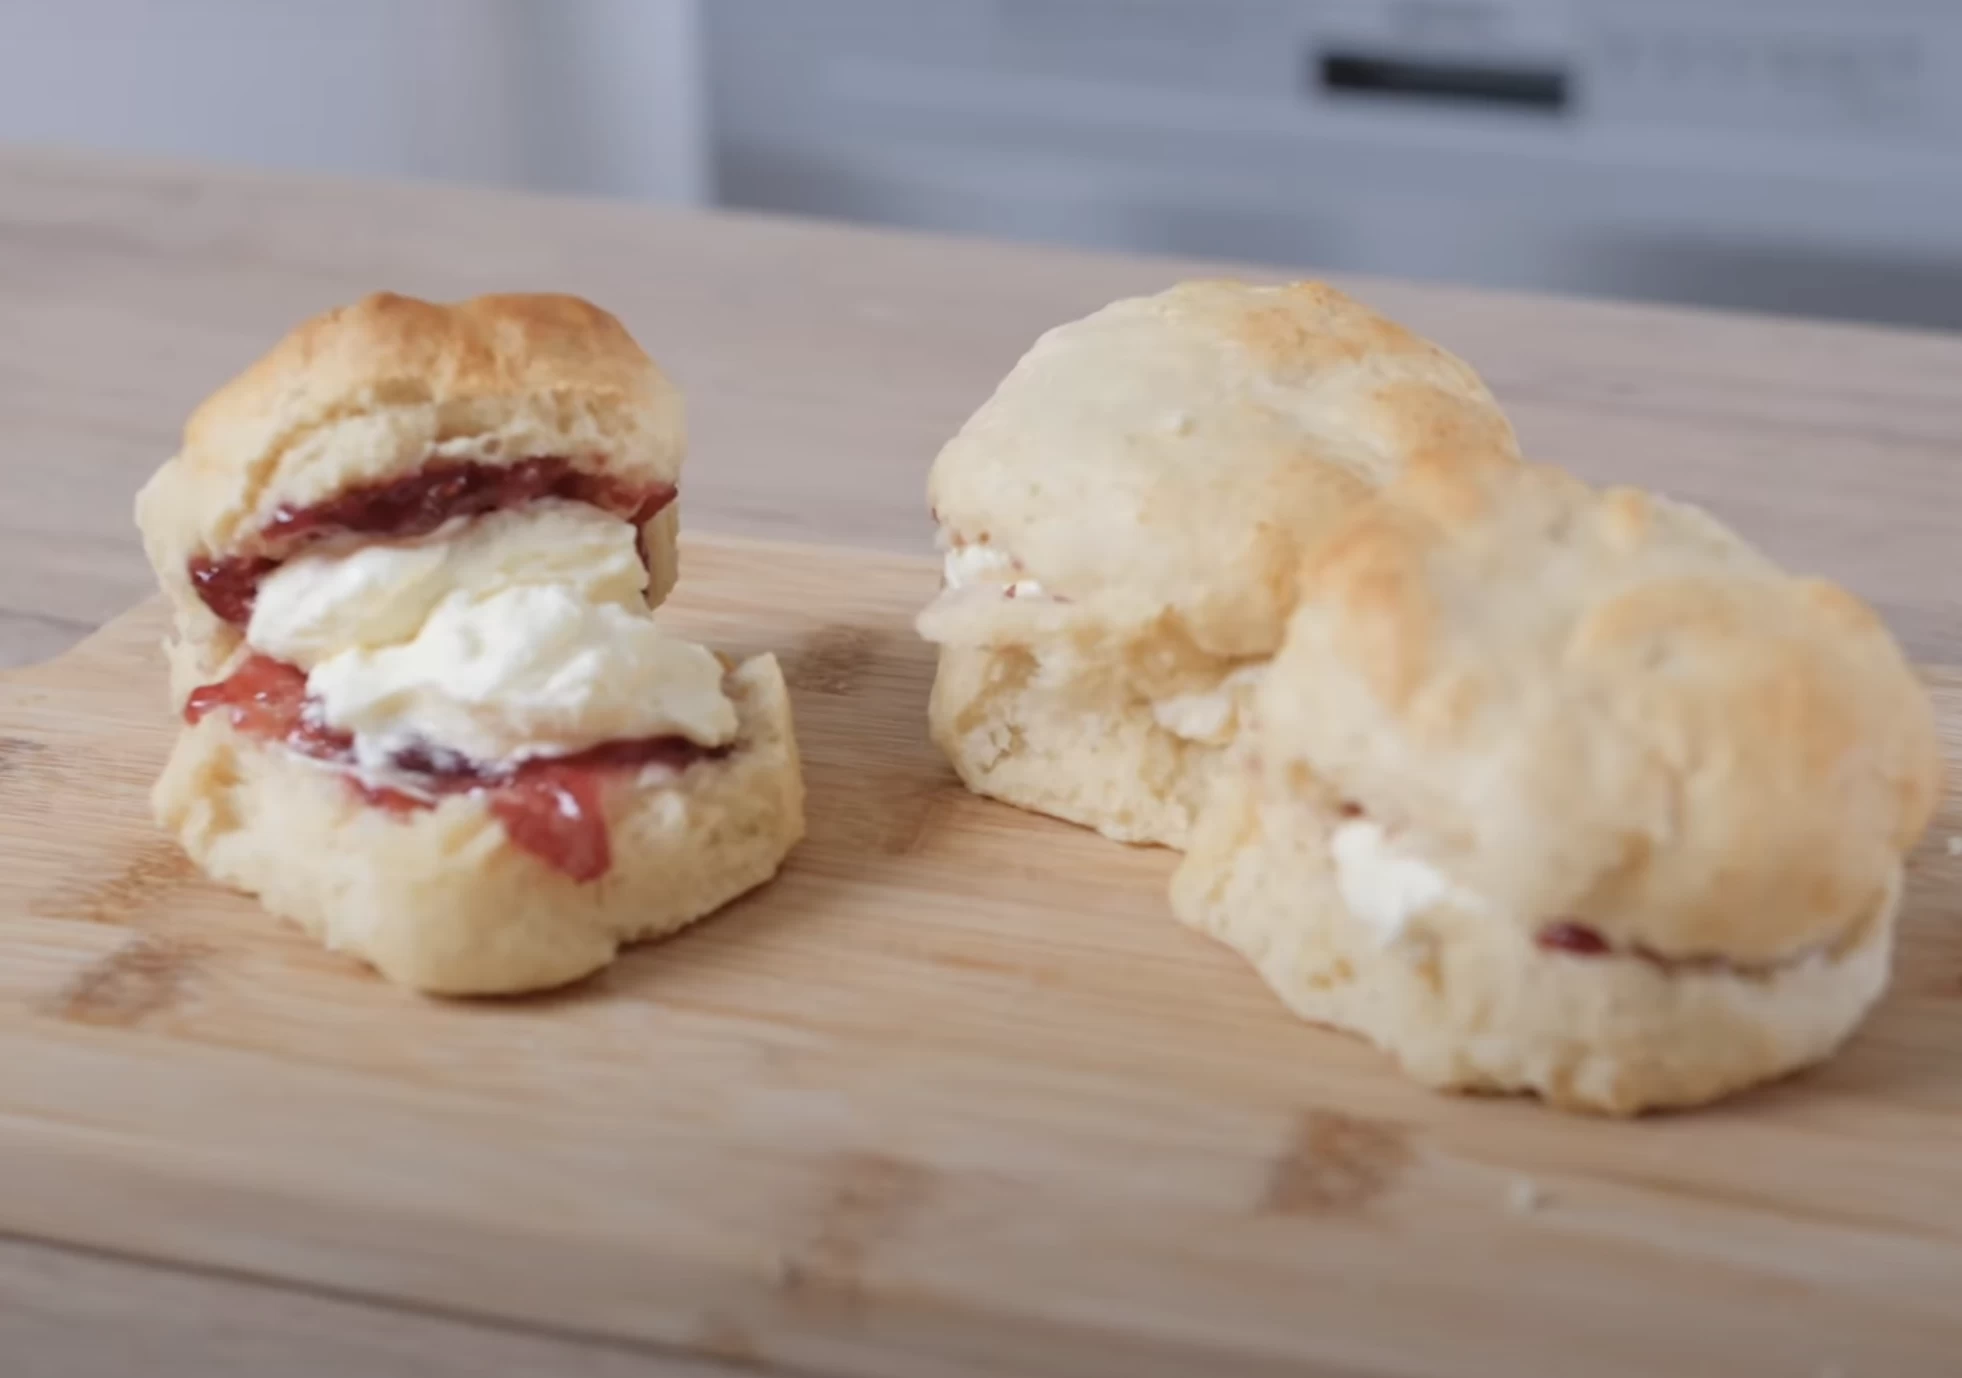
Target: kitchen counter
823, 367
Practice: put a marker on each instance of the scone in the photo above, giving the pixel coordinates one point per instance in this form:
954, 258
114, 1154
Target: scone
1124, 520
429, 716
390, 417
1570, 792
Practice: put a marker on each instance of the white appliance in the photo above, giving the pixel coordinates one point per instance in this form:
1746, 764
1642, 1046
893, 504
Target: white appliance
1799, 155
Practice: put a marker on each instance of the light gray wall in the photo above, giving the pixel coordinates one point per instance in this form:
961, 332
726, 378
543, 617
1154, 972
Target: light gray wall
577, 95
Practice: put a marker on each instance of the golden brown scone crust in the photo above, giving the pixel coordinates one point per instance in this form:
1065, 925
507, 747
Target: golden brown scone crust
1590, 707
1180, 452
1605, 706
440, 900
1160, 468
371, 392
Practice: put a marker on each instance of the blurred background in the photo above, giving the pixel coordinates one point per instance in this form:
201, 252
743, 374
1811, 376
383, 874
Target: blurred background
1780, 155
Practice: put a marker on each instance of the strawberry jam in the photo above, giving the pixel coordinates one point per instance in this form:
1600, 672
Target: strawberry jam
1579, 940
1576, 939
402, 508
268, 698
552, 808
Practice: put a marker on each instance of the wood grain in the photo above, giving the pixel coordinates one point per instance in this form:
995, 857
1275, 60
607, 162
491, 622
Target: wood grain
824, 366
67, 1313
954, 1096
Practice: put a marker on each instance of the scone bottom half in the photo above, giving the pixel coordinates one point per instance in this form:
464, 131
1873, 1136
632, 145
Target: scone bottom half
1356, 933
412, 556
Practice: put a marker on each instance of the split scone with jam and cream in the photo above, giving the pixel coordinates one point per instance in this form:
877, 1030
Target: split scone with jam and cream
1571, 792
411, 556
1124, 519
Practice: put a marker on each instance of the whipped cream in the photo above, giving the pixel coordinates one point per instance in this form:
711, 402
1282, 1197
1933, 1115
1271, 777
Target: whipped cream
501, 638
1196, 717
1211, 715
1382, 886
977, 563
324, 603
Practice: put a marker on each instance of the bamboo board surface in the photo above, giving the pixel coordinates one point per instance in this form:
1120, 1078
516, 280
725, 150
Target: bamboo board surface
954, 1096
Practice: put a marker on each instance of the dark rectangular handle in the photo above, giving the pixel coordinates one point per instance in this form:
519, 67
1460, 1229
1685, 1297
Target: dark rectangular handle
1347, 71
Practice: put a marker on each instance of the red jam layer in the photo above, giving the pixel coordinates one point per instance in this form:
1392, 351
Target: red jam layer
1578, 940
1574, 938
440, 491
551, 808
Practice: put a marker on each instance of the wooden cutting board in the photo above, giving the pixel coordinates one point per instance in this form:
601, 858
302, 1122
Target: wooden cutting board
955, 1095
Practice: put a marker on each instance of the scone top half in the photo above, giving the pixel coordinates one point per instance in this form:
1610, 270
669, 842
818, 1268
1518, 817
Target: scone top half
1149, 477
1598, 720
387, 419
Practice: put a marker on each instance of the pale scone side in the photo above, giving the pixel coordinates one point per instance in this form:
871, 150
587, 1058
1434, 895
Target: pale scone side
1123, 521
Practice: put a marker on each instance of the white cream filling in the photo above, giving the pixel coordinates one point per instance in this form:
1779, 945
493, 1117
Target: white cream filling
320, 604
977, 563
1209, 715
526, 672
519, 634
1382, 886
1195, 717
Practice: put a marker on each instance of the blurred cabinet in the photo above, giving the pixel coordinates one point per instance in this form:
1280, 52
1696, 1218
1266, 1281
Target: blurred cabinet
1801, 155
